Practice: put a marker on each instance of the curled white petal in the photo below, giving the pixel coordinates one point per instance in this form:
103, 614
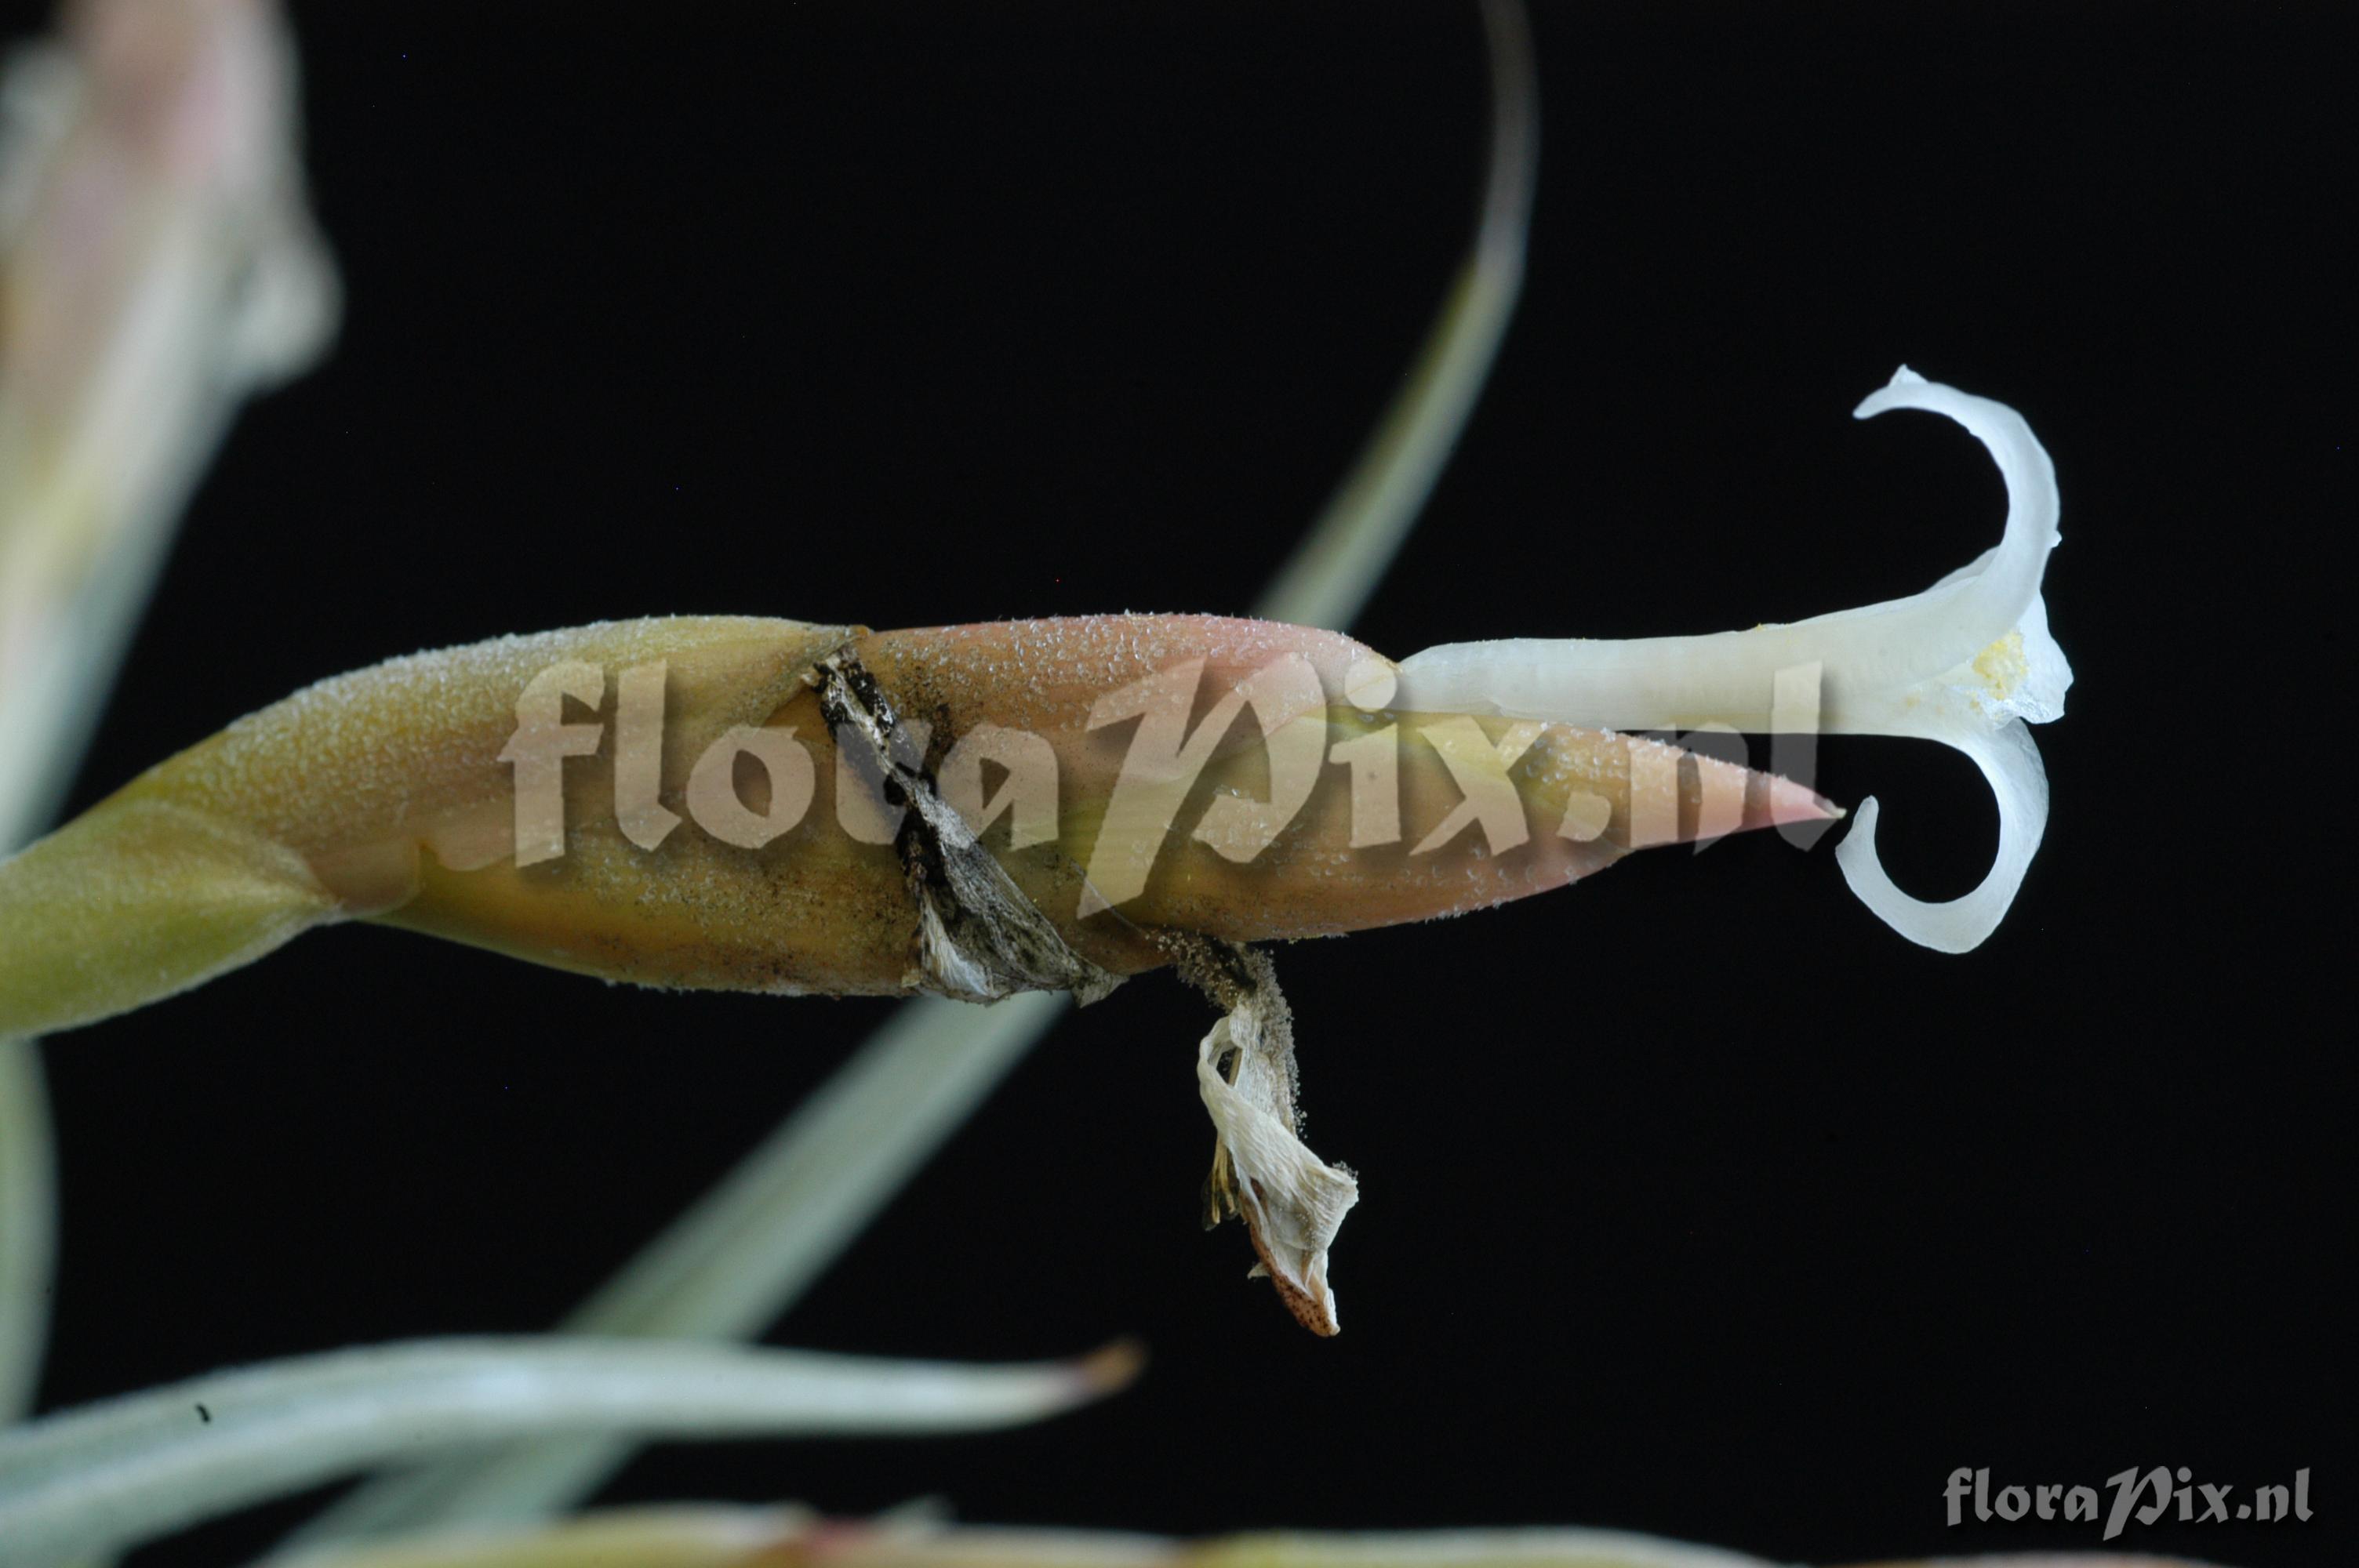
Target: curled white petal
1968, 611
1966, 662
1872, 656
2010, 761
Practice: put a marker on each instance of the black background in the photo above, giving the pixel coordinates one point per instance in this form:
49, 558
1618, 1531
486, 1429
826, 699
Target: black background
1696, 1201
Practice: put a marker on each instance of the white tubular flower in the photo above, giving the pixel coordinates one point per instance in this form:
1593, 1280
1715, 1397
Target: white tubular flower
1969, 662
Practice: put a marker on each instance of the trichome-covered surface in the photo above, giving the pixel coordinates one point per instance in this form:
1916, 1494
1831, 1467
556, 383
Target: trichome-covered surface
392, 795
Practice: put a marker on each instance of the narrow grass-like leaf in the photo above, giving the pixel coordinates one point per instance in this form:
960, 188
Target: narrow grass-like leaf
106, 1477
28, 1224
1348, 551
729, 1266
675, 1536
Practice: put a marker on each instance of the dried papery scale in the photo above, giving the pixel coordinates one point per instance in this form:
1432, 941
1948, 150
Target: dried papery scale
1209, 782
1291, 1201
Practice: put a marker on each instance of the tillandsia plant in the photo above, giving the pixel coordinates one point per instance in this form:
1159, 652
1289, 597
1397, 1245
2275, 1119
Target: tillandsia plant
435, 793
432, 792
974, 814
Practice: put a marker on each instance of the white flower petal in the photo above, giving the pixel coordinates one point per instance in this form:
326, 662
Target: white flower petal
2010, 761
1967, 662
1872, 656
1979, 607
